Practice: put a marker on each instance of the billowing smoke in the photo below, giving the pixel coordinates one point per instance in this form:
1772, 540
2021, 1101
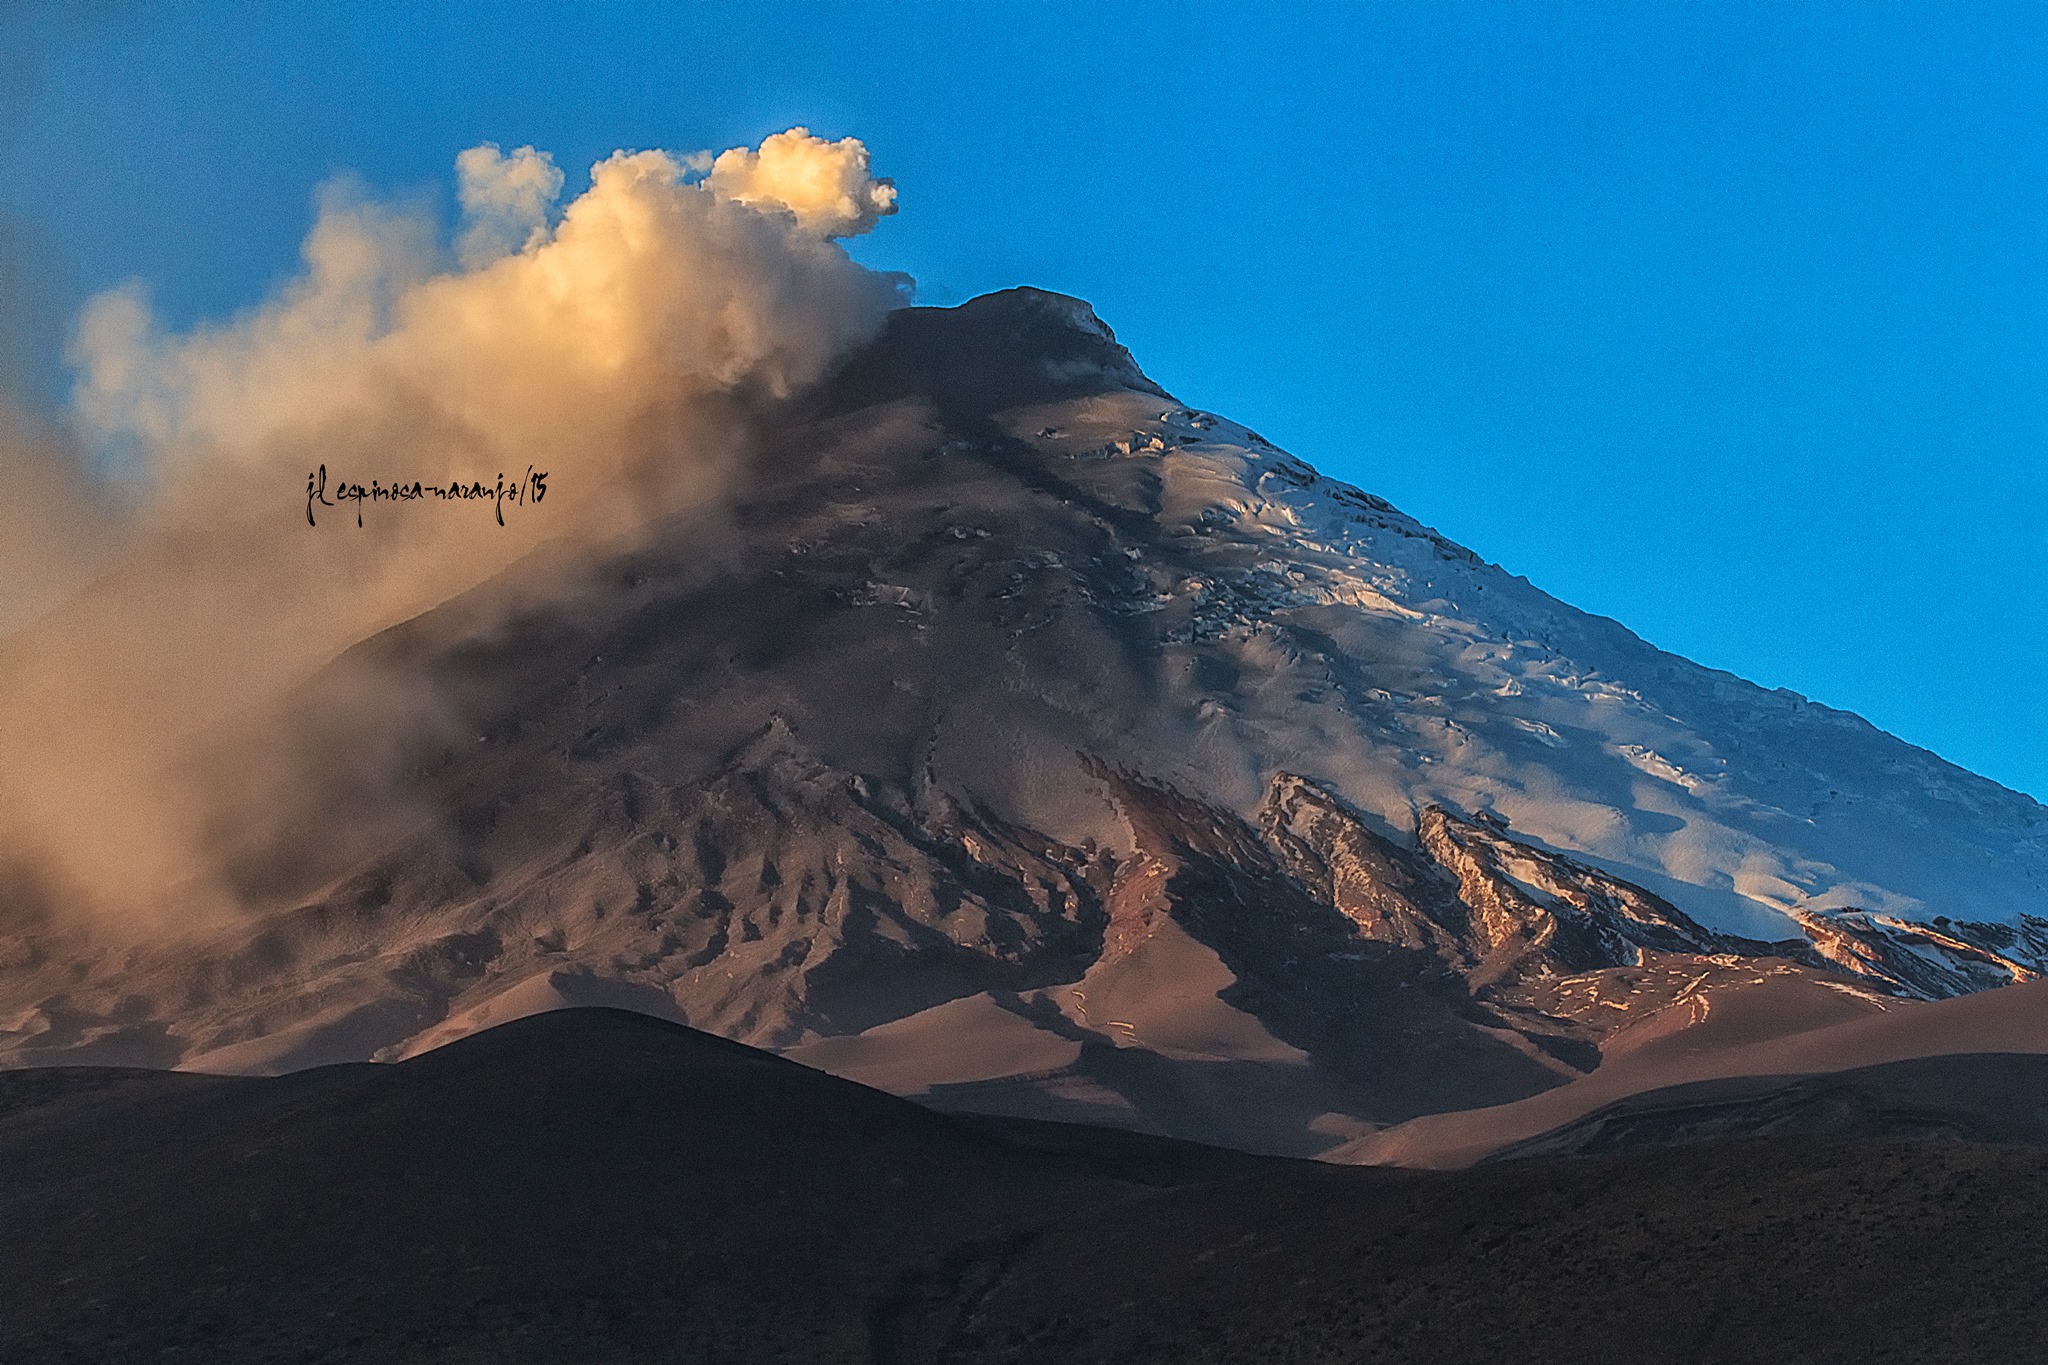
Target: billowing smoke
825, 184
548, 342
506, 200
610, 345
56, 531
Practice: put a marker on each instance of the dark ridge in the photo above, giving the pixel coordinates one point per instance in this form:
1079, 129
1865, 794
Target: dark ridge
595, 1185
1753, 1251
998, 351
1123, 1154
582, 1185
21, 1091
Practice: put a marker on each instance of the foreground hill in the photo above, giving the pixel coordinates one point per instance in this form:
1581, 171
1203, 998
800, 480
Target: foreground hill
594, 1185
582, 1185
1024, 740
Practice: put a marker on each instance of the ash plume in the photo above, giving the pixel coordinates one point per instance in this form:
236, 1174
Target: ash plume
611, 344
825, 185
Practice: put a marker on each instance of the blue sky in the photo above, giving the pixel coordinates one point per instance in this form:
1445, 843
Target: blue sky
1728, 321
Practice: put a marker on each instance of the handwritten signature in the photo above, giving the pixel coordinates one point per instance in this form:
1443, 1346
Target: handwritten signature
530, 488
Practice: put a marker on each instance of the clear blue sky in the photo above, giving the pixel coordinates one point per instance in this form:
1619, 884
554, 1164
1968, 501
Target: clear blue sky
1729, 321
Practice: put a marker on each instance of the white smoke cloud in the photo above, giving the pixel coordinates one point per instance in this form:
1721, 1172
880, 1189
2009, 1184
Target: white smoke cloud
651, 289
506, 200
55, 531
613, 348
825, 184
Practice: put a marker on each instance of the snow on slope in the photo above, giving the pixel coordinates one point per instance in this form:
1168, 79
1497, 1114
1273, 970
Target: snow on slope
1426, 676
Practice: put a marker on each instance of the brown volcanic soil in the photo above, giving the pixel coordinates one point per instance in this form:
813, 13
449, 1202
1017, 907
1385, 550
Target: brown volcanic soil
1770, 1030
593, 1185
1993, 1097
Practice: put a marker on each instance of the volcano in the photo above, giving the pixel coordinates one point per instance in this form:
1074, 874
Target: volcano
1024, 741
